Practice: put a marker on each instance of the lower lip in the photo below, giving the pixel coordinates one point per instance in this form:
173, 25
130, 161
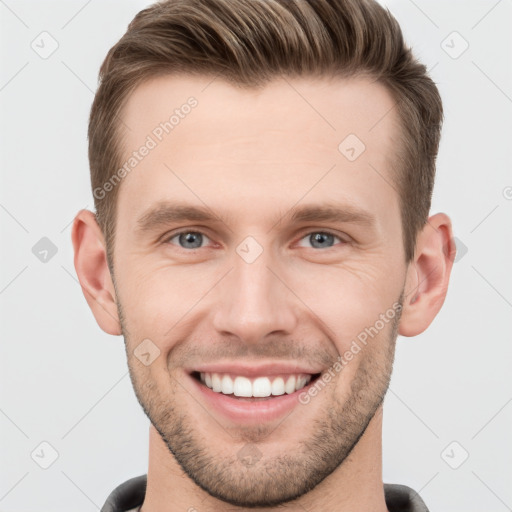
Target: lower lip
250, 412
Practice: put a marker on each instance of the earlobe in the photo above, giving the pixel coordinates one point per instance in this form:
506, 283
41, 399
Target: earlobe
428, 275
93, 273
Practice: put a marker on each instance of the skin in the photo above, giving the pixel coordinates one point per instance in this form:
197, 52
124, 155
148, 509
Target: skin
252, 156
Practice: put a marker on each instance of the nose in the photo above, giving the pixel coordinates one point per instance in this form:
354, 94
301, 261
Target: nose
254, 301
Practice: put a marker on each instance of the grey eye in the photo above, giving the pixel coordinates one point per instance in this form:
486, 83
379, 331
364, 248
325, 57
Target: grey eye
321, 239
189, 239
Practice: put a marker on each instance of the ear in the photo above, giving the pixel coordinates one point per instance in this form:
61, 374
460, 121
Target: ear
428, 275
93, 272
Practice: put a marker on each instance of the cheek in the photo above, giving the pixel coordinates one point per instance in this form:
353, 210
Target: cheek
346, 299
155, 297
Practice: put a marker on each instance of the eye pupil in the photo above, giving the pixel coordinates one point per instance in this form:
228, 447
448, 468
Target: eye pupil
191, 237
320, 238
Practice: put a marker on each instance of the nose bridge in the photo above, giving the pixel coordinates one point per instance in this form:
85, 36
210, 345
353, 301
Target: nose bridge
252, 301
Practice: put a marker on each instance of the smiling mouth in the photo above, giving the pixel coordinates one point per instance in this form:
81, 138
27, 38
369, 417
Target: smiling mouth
255, 389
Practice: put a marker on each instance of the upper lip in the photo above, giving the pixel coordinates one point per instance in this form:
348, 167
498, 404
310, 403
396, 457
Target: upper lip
253, 370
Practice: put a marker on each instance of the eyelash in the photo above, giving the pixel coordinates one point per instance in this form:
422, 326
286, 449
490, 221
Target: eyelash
168, 238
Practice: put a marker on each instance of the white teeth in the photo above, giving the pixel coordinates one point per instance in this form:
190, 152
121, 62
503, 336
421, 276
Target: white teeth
278, 386
289, 387
258, 387
261, 387
227, 385
242, 387
216, 383
301, 382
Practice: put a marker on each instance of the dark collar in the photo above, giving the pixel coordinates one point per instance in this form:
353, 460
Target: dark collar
130, 494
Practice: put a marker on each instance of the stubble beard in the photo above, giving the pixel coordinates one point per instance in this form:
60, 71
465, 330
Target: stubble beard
279, 479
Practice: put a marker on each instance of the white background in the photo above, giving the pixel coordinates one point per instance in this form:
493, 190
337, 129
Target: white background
65, 382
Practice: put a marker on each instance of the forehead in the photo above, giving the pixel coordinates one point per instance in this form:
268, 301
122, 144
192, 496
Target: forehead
210, 139
325, 108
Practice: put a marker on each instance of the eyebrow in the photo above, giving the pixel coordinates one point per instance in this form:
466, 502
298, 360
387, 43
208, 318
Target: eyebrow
332, 213
166, 213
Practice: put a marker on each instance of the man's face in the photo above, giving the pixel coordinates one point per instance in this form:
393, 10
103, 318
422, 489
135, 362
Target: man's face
255, 286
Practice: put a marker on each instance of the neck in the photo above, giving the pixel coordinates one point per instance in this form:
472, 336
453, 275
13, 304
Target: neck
354, 485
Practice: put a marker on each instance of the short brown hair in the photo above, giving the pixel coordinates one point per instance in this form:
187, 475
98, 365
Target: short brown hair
250, 42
